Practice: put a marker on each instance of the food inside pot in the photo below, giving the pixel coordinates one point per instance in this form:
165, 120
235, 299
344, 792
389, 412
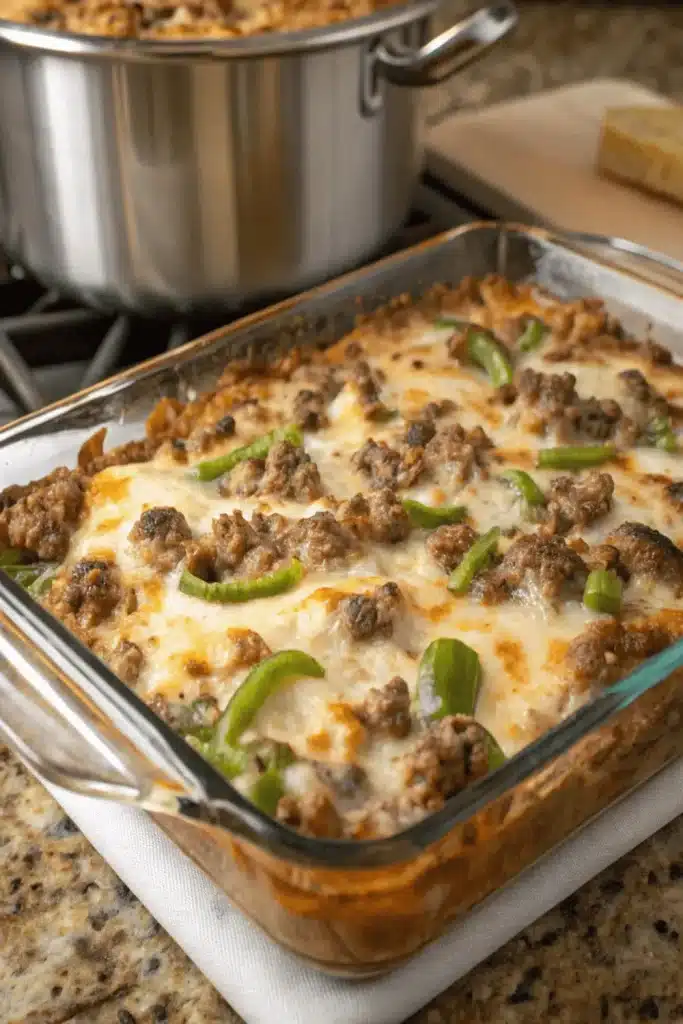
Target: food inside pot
356, 580
178, 19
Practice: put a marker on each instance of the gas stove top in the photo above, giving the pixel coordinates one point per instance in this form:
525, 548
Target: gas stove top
50, 348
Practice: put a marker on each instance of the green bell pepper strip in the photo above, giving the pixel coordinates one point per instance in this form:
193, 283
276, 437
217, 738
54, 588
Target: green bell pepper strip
428, 517
448, 679
496, 755
211, 469
229, 761
662, 435
263, 680
473, 561
603, 592
280, 756
485, 351
42, 583
266, 790
532, 335
452, 323
575, 456
36, 577
526, 486
10, 557
239, 591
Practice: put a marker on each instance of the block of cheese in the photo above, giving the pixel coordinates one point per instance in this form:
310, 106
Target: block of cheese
644, 147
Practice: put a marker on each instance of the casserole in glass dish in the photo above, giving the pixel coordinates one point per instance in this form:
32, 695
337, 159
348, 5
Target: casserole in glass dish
418, 620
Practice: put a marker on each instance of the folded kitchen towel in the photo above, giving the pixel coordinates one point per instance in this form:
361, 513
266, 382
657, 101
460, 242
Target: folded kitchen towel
264, 984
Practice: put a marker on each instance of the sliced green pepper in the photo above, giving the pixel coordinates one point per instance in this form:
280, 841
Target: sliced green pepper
448, 679
263, 680
428, 517
485, 351
35, 577
280, 756
266, 790
575, 456
42, 583
661, 434
229, 761
525, 485
10, 557
496, 755
211, 469
473, 561
603, 592
452, 322
238, 591
532, 335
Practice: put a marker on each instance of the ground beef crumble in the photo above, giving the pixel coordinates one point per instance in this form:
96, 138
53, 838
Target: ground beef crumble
365, 616
548, 563
457, 452
648, 553
254, 547
578, 503
309, 409
447, 544
287, 472
389, 467
548, 394
88, 595
320, 541
636, 385
421, 430
42, 516
380, 517
160, 536
450, 755
551, 400
608, 650
386, 709
604, 556
291, 473
244, 480
367, 385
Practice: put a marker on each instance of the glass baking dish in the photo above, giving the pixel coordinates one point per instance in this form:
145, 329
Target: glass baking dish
350, 908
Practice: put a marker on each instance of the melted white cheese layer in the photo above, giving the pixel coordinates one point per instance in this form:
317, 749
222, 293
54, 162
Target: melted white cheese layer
520, 644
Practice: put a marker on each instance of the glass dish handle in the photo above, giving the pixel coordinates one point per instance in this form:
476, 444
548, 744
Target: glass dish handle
79, 727
56, 731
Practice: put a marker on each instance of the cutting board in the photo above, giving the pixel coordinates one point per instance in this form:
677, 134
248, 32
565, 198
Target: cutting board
534, 160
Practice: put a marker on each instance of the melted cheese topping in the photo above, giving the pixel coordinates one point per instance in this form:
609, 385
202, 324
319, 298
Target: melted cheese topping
520, 643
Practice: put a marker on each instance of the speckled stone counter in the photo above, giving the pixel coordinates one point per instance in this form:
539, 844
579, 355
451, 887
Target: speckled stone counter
76, 946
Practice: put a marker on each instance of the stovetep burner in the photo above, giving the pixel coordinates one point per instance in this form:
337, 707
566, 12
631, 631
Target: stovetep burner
50, 348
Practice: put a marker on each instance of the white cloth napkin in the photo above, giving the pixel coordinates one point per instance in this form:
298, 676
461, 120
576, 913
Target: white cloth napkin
266, 985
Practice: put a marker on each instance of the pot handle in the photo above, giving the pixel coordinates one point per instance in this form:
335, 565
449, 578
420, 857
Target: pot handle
448, 52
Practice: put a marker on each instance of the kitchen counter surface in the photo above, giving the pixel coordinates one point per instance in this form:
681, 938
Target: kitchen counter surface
76, 946
560, 42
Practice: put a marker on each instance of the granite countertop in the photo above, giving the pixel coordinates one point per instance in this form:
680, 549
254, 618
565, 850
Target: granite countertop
75, 945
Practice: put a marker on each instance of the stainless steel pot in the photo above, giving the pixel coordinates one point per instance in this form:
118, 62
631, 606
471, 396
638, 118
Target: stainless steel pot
172, 177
